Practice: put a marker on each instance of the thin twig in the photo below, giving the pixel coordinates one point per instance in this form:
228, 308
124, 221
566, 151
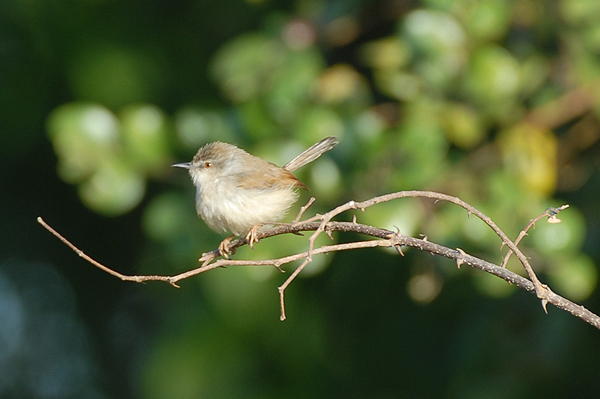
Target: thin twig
311, 245
137, 279
303, 209
550, 213
386, 238
540, 289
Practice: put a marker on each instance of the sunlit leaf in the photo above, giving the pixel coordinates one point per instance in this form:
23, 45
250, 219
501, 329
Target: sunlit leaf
84, 137
529, 154
463, 126
144, 132
341, 83
196, 126
556, 238
244, 68
580, 12
113, 189
485, 19
386, 54
574, 276
494, 75
165, 216
439, 45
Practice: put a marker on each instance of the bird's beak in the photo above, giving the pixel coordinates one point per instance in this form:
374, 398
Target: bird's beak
184, 165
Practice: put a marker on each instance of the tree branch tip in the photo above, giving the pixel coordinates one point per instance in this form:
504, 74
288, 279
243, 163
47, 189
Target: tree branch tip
303, 209
554, 210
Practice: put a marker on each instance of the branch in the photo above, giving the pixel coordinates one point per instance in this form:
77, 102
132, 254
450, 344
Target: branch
550, 213
385, 238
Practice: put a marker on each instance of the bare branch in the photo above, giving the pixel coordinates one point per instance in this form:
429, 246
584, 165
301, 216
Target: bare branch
550, 213
137, 279
303, 209
384, 238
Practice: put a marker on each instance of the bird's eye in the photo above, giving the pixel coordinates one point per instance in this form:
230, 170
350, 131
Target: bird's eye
207, 164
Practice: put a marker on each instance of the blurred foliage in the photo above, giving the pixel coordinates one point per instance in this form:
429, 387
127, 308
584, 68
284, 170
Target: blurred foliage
492, 101
109, 157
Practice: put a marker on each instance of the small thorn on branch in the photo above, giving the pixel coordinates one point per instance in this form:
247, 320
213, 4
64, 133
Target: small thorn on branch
459, 259
544, 303
395, 239
399, 249
329, 233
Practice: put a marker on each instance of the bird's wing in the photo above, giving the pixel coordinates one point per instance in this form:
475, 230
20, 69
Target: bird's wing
268, 178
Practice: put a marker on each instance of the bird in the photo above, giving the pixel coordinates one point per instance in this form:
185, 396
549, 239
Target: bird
238, 192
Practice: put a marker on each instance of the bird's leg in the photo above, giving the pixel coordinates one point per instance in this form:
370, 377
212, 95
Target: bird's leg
223, 247
251, 237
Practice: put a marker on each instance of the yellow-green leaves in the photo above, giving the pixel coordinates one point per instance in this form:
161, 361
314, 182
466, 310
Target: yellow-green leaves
107, 156
529, 154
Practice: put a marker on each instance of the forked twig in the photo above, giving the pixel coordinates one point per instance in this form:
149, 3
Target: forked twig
550, 213
541, 290
324, 223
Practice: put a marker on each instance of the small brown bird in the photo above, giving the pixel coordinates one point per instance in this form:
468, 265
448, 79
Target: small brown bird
237, 191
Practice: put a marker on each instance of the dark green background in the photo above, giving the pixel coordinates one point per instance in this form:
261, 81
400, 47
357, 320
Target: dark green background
68, 330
